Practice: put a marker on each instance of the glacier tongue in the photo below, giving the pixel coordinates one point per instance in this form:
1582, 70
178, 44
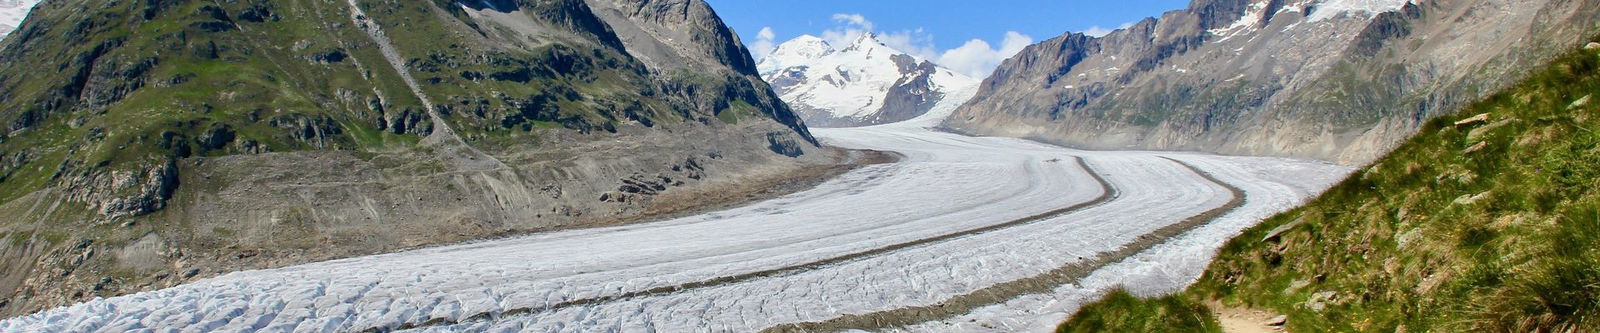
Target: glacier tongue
11, 14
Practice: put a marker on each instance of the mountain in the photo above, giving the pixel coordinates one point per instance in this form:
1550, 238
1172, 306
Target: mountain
149, 143
1339, 80
11, 14
1488, 220
865, 83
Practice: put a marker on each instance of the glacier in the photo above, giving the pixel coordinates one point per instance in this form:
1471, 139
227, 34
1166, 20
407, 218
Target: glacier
12, 12
838, 249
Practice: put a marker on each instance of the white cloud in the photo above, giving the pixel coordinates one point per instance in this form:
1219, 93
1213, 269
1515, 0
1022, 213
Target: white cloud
854, 19
766, 33
1097, 31
851, 26
764, 43
977, 58
916, 42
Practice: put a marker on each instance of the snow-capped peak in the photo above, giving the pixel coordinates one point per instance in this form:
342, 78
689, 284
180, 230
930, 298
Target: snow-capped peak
869, 42
866, 82
805, 46
793, 52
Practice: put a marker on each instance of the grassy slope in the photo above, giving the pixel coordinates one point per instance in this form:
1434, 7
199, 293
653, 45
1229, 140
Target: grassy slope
268, 83
98, 99
1486, 226
1120, 311
247, 78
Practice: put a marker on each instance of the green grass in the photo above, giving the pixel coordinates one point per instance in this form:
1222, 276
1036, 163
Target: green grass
251, 73
19, 238
265, 81
1120, 311
738, 109
262, 83
1497, 231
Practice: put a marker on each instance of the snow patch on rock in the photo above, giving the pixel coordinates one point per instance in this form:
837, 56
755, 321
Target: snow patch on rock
1246, 24
1333, 8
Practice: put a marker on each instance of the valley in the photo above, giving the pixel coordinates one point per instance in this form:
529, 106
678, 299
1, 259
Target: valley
876, 239
640, 166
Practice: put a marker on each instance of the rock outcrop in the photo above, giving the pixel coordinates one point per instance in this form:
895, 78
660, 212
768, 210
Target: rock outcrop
1342, 80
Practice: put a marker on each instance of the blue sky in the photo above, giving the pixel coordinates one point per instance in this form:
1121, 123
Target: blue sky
934, 28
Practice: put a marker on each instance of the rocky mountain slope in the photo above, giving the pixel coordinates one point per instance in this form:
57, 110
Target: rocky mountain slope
864, 83
166, 141
1333, 79
11, 14
1488, 220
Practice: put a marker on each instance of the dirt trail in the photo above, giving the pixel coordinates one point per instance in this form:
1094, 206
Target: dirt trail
1242, 320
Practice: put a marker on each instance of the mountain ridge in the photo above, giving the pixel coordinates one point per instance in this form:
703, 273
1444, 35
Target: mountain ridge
864, 83
1486, 221
1257, 77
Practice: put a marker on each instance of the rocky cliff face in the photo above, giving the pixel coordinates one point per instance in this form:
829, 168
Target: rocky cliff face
1341, 80
865, 83
147, 143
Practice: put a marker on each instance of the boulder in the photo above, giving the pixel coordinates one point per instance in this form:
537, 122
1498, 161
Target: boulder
1283, 228
1579, 103
1478, 119
1468, 199
1478, 133
1320, 301
1280, 320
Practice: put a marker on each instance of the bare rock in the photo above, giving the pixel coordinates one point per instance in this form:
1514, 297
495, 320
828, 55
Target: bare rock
1476, 148
1319, 301
1283, 228
1478, 133
1580, 102
614, 197
1160, 84
1470, 198
1280, 320
1478, 119
1406, 238
1592, 46
1296, 286
120, 193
